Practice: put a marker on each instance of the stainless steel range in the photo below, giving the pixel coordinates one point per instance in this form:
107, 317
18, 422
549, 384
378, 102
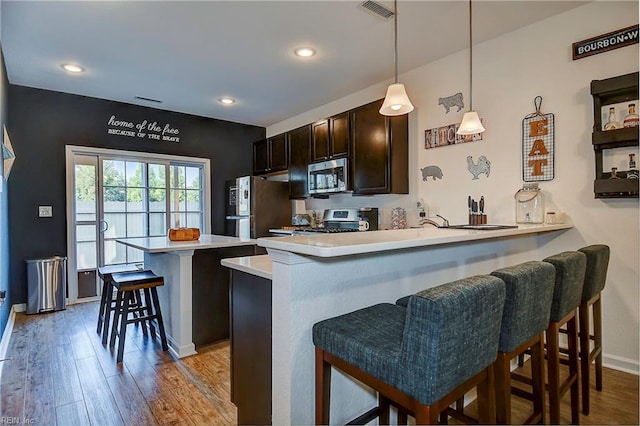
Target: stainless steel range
335, 221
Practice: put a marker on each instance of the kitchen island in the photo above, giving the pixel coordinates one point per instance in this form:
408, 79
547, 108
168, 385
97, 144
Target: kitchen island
322, 276
194, 299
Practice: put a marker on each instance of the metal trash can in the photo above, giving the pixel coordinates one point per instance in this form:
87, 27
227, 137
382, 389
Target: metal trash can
47, 284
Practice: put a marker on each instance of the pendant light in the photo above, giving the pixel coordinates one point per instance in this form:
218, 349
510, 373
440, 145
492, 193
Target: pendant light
396, 102
470, 121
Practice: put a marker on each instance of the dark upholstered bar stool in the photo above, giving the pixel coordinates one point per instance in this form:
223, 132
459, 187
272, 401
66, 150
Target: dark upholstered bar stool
106, 299
570, 271
594, 281
527, 307
420, 359
127, 285
529, 292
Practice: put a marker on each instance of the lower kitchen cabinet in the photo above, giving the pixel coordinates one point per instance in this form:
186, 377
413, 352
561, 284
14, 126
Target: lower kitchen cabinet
250, 298
211, 293
380, 155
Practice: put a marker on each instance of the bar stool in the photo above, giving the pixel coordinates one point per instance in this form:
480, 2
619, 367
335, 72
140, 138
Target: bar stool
527, 307
106, 299
594, 281
127, 285
570, 272
421, 358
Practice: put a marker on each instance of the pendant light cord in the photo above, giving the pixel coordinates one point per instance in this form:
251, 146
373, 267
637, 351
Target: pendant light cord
395, 37
470, 59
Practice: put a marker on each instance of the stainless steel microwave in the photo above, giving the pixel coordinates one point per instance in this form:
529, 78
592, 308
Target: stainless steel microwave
328, 176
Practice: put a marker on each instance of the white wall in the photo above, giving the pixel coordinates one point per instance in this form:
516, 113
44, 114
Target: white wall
509, 72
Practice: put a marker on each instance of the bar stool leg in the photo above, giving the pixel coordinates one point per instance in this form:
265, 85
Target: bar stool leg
139, 311
323, 388
108, 297
117, 313
122, 334
585, 355
553, 370
572, 329
503, 389
150, 312
158, 314
103, 307
597, 332
538, 382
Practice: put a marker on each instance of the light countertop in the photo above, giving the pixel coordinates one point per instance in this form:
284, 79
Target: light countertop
350, 243
260, 266
164, 245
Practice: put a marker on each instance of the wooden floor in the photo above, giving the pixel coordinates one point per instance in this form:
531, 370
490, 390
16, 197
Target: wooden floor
58, 373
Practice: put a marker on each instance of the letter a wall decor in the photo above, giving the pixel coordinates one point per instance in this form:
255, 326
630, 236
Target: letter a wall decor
538, 145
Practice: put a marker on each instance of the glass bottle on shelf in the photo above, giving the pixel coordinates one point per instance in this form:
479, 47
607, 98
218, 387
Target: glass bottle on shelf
631, 120
633, 171
614, 173
529, 204
611, 124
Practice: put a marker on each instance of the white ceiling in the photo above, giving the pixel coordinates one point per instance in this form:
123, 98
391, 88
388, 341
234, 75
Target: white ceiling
189, 54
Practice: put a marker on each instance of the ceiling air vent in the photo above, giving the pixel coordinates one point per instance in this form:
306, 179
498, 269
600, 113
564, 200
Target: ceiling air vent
142, 98
377, 8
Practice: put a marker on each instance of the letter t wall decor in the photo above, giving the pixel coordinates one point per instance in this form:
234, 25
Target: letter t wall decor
538, 145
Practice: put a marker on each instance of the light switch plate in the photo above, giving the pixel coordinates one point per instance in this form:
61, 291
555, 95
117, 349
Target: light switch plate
45, 211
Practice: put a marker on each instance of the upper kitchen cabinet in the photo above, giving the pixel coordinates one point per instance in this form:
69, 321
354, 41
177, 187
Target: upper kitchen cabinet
299, 154
330, 138
380, 156
271, 155
613, 98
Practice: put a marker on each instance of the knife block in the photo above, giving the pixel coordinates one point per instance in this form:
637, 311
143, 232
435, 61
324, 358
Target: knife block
477, 219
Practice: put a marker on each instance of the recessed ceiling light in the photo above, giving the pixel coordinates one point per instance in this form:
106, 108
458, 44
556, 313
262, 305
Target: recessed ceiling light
72, 68
304, 52
227, 101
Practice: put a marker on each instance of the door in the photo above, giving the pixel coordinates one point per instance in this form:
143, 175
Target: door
117, 195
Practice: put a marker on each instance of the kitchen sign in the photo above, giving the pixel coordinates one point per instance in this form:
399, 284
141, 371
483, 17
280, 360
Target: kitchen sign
605, 42
538, 145
151, 130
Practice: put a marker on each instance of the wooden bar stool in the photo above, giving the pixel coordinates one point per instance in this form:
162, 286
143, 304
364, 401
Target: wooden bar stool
594, 281
570, 272
527, 307
420, 359
127, 285
106, 299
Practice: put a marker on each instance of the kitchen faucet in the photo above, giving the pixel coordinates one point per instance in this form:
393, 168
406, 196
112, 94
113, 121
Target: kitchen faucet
445, 222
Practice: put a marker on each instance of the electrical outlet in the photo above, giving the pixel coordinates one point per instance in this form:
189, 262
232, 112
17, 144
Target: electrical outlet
45, 211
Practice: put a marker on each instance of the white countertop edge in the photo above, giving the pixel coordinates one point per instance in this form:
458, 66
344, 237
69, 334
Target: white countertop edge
352, 243
164, 245
260, 266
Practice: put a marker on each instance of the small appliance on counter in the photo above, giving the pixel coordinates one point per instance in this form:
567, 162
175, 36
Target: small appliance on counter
370, 214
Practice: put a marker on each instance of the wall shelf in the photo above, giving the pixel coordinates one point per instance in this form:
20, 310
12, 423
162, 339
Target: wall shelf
605, 92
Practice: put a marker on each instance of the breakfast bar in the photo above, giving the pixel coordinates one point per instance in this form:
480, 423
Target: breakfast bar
194, 298
322, 276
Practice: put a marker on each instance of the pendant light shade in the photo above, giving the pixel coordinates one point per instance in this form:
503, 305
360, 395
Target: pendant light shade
471, 124
396, 102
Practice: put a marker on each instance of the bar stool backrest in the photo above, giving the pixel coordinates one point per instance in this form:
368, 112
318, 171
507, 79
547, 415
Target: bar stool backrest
451, 333
597, 265
527, 306
570, 271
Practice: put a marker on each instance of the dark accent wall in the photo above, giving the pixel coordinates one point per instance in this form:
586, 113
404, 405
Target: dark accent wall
42, 122
4, 207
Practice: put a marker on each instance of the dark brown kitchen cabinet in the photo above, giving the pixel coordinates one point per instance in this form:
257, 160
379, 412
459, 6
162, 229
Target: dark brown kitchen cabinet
380, 154
330, 138
271, 155
299, 154
607, 92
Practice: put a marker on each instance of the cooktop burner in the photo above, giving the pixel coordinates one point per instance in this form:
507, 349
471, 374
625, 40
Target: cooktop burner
302, 231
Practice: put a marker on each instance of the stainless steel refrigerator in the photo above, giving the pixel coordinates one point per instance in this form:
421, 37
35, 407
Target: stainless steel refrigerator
255, 205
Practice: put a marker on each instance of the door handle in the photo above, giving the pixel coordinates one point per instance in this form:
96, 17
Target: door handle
106, 226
